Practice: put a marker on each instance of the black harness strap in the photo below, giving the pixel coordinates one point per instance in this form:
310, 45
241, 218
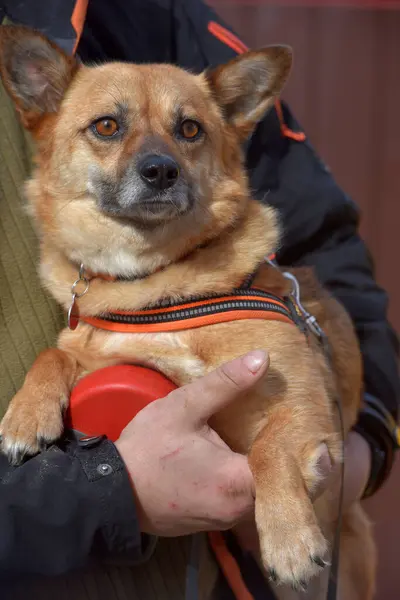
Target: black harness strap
205, 305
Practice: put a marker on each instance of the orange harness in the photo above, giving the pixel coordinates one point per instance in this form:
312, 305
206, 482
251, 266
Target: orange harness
253, 303
245, 302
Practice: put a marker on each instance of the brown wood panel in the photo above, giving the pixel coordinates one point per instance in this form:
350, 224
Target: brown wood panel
385, 209
345, 90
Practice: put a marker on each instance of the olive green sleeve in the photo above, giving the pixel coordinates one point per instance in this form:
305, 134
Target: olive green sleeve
29, 319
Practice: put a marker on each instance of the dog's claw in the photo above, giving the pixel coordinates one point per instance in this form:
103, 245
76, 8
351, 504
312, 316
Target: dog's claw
15, 457
303, 586
272, 576
320, 561
42, 445
14, 451
300, 586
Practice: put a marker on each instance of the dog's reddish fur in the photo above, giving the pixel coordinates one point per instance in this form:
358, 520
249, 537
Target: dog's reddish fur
283, 424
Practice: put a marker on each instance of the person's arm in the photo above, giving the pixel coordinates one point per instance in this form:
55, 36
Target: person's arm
320, 225
57, 505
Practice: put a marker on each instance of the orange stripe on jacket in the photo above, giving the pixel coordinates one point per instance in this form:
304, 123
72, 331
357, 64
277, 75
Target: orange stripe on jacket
229, 39
298, 136
78, 19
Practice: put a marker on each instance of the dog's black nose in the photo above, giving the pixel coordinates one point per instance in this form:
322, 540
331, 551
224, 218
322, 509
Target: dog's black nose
160, 172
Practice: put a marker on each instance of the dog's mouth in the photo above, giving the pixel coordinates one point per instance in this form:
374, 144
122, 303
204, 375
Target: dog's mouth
147, 210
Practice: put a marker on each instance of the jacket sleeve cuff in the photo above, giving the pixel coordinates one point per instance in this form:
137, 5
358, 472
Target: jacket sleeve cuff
379, 429
118, 534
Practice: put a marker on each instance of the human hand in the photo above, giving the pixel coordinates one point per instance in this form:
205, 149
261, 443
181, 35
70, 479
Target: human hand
357, 468
185, 478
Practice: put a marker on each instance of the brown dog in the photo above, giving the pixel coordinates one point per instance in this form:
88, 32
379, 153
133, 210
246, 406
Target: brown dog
139, 177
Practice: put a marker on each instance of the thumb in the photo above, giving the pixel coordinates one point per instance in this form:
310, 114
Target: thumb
209, 394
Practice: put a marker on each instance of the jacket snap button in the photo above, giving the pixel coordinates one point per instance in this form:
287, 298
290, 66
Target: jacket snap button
104, 469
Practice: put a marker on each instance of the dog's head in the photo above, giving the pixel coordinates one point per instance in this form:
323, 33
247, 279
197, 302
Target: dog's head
135, 161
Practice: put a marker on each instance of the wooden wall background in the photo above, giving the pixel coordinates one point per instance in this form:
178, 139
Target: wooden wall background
345, 90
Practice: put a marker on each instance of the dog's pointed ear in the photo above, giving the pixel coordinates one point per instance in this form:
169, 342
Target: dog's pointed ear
35, 72
247, 86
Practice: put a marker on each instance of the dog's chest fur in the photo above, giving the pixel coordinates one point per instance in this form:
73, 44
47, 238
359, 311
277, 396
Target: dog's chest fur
169, 352
185, 356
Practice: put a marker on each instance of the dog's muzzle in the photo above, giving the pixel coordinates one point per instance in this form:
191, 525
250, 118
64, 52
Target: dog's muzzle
153, 189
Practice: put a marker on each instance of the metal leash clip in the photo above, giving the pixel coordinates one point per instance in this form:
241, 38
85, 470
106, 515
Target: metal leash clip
309, 320
73, 312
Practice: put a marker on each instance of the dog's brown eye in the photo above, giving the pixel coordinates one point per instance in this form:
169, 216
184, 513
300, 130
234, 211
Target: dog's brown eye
190, 129
106, 127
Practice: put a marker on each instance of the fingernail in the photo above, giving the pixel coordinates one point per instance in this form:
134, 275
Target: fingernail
255, 360
303, 586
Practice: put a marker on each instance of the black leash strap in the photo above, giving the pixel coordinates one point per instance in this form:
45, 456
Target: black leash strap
192, 569
332, 592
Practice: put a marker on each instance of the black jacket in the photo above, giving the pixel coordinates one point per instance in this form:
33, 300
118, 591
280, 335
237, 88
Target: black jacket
60, 494
59, 505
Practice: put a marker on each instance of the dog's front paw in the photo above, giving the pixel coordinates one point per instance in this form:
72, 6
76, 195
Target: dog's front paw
293, 548
29, 425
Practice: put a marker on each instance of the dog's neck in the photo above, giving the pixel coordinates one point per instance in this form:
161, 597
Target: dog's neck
89, 274
217, 267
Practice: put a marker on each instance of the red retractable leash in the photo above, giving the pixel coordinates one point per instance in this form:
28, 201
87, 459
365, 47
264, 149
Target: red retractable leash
105, 401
